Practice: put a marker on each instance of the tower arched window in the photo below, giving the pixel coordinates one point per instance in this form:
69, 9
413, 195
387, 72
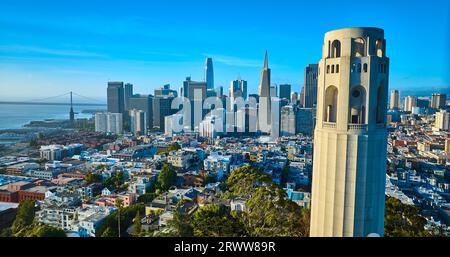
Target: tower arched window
359, 47
336, 49
328, 68
359, 67
331, 100
337, 68
379, 46
365, 67
357, 105
332, 68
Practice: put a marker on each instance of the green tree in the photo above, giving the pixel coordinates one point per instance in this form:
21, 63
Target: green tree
146, 198
402, 220
243, 181
174, 147
216, 221
45, 231
285, 174
137, 223
119, 205
269, 213
209, 179
115, 181
110, 225
25, 216
109, 232
93, 178
167, 178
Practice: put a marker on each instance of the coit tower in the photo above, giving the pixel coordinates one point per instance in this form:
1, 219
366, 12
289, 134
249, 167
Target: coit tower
349, 167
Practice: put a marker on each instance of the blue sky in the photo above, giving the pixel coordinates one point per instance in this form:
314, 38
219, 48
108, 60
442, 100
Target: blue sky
56, 46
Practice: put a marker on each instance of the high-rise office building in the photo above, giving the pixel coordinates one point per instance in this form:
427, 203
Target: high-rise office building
410, 102
238, 88
285, 91
350, 138
423, 102
108, 122
138, 122
162, 106
209, 73
310, 93
296, 120
438, 100
143, 103
442, 121
127, 94
115, 95
395, 100
195, 91
170, 123
288, 123
294, 97
273, 91
166, 91
305, 121
264, 110
301, 97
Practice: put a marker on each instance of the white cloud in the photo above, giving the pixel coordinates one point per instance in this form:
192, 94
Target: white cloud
49, 51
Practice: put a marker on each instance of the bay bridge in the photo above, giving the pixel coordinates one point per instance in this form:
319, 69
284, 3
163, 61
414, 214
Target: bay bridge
61, 99
65, 99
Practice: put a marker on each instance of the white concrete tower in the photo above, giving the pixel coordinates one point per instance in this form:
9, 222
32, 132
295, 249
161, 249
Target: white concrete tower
348, 190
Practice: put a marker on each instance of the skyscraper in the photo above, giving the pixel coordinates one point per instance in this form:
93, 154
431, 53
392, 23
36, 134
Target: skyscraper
143, 103
162, 103
438, 100
209, 73
238, 88
108, 122
273, 91
294, 97
264, 114
287, 127
301, 97
138, 122
305, 121
195, 91
350, 138
410, 102
395, 100
115, 95
310, 93
442, 120
128, 93
285, 91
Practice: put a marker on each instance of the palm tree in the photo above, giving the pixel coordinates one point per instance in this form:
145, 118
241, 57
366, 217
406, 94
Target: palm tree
119, 205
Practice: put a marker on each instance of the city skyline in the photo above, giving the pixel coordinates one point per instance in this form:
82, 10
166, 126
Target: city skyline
84, 54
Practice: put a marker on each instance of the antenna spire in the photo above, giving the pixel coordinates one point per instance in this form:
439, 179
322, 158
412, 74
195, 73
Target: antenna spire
266, 61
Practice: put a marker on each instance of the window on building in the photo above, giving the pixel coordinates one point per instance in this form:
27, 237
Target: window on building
336, 49
359, 47
331, 99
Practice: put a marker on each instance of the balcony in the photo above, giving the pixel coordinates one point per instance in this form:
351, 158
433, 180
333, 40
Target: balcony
331, 125
357, 126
